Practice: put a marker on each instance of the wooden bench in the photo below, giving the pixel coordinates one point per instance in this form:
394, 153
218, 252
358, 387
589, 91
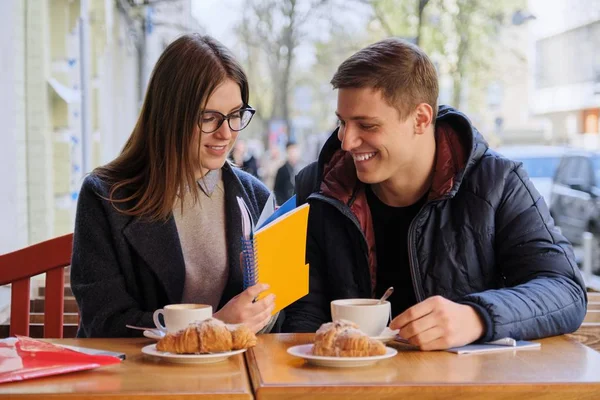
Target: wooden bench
592, 316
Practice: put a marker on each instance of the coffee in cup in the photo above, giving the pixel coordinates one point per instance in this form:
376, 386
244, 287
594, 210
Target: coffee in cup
179, 316
371, 316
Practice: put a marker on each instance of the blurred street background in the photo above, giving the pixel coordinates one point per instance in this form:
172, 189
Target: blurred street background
73, 75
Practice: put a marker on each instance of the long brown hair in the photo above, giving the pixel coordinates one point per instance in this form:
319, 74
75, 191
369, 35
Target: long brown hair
155, 166
403, 72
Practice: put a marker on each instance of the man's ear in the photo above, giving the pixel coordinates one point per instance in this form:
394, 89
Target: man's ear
423, 118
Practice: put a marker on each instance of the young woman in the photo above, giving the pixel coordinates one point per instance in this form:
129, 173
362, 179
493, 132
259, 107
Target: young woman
160, 223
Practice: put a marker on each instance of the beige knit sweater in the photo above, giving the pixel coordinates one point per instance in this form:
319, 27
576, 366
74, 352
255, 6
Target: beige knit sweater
201, 229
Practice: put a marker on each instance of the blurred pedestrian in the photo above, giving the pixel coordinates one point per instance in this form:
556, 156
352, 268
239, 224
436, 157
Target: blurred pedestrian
244, 159
269, 165
284, 180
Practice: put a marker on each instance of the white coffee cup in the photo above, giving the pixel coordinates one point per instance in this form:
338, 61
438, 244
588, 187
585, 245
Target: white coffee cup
372, 318
179, 316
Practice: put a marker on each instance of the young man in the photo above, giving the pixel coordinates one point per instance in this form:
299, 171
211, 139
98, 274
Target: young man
408, 195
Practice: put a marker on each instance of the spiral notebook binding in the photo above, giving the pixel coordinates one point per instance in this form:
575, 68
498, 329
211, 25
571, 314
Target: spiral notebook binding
250, 263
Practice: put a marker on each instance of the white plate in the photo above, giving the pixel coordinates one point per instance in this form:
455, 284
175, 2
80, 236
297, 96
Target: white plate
387, 335
154, 334
189, 358
305, 351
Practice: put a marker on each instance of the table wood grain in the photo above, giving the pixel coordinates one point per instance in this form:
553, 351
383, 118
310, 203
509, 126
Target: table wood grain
561, 369
138, 377
588, 334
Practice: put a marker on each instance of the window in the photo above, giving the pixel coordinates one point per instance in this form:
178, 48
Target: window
568, 57
576, 170
564, 170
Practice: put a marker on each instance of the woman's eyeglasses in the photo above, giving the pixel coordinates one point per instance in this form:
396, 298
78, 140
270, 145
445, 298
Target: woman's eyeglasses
210, 121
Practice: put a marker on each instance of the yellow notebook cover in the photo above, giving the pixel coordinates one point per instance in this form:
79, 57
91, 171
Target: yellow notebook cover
280, 249
278, 257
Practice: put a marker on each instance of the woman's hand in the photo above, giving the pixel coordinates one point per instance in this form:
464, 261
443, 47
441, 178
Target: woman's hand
243, 310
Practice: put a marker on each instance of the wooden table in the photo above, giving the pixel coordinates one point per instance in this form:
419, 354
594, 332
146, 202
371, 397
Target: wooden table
561, 369
138, 377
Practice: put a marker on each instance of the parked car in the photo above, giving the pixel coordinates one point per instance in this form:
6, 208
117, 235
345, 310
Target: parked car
575, 202
540, 162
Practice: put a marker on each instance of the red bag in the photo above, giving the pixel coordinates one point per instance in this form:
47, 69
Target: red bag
24, 358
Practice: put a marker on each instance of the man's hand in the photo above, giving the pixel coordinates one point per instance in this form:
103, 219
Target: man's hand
438, 323
243, 310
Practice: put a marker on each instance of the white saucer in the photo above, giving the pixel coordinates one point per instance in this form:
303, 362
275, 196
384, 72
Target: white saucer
155, 334
189, 358
387, 335
305, 351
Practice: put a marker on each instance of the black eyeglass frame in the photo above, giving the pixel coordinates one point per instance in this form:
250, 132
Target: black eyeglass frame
227, 118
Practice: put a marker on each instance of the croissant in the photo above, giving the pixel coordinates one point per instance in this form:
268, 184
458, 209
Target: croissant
242, 337
208, 336
326, 335
344, 339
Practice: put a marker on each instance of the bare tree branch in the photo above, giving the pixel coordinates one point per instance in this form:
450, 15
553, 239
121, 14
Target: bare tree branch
276, 28
380, 16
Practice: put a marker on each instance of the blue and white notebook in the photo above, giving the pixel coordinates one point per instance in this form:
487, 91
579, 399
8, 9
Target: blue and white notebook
506, 344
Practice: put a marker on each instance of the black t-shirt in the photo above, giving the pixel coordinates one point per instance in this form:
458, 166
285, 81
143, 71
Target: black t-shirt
391, 226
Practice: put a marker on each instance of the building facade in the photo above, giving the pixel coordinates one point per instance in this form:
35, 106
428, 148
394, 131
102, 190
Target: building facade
72, 78
566, 69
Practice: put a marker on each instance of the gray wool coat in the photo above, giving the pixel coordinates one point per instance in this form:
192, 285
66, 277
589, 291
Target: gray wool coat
124, 268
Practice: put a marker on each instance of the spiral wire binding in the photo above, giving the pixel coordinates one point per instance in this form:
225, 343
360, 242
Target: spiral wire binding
250, 263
